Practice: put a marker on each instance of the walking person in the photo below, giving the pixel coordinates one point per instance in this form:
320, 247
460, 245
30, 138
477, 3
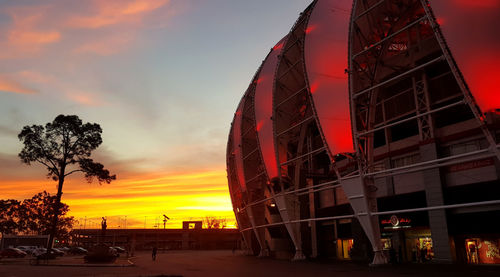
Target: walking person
153, 255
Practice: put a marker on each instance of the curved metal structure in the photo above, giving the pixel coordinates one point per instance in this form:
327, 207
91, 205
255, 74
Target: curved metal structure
406, 89
362, 104
480, 70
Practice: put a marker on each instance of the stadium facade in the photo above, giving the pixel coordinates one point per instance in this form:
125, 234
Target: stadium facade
370, 132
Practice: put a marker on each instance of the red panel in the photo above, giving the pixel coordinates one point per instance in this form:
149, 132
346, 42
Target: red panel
238, 156
470, 28
326, 62
264, 110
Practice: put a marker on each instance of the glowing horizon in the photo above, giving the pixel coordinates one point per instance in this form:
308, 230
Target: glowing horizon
182, 196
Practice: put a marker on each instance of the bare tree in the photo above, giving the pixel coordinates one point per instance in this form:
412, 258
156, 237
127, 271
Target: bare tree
212, 222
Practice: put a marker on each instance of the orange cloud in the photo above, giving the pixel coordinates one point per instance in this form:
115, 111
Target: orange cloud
35, 27
115, 12
9, 85
36, 77
25, 36
75, 95
84, 98
33, 38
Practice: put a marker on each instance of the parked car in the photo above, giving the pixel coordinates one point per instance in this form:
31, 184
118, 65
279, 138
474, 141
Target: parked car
38, 251
57, 252
101, 254
78, 251
42, 253
12, 253
113, 251
27, 248
119, 249
63, 249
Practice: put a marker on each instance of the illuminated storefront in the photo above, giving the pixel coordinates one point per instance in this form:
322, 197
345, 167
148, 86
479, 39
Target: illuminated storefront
409, 236
482, 251
365, 131
344, 247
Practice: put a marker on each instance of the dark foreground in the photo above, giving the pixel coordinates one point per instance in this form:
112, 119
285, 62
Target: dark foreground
225, 263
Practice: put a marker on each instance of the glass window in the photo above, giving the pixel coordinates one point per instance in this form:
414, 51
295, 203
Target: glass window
406, 160
465, 147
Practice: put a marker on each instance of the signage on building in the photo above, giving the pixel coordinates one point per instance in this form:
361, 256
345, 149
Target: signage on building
395, 222
470, 165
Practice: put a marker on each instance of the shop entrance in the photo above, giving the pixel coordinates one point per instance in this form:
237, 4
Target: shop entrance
482, 250
407, 237
409, 245
423, 249
471, 246
344, 247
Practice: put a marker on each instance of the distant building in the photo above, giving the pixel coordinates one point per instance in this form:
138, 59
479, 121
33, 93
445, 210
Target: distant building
192, 224
9, 241
372, 129
168, 239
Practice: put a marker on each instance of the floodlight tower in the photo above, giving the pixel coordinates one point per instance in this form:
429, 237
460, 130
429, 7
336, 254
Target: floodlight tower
165, 218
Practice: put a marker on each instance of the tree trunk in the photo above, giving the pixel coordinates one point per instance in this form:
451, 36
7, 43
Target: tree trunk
57, 207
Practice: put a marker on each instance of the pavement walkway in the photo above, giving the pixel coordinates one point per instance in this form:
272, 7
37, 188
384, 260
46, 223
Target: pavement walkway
225, 263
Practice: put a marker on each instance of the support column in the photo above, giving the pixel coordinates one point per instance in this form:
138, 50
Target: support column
286, 206
247, 238
312, 224
434, 196
364, 202
258, 233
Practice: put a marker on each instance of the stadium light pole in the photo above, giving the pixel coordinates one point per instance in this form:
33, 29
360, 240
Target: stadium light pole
165, 218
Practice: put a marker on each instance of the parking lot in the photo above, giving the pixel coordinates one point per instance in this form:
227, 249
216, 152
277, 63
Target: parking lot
225, 263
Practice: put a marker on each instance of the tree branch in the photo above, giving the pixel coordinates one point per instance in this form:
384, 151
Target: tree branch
50, 160
73, 171
53, 169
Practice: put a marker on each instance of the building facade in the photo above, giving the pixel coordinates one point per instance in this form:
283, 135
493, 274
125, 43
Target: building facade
370, 132
163, 239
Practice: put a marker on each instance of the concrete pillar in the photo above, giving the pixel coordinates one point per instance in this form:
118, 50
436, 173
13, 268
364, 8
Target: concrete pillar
363, 201
259, 233
287, 206
434, 196
312, 224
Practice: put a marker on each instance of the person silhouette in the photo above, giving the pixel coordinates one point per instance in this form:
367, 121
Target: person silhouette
153, 254
103, 224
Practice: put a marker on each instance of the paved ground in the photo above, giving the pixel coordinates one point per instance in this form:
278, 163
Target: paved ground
224, 263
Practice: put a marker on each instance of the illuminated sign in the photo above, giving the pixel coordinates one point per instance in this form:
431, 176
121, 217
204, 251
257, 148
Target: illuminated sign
395, 222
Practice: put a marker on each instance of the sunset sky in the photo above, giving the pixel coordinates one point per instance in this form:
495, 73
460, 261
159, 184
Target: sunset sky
162, 78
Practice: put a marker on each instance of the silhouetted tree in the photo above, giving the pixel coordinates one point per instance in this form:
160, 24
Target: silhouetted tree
64, 147
9, 216
212, 222
35, 216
